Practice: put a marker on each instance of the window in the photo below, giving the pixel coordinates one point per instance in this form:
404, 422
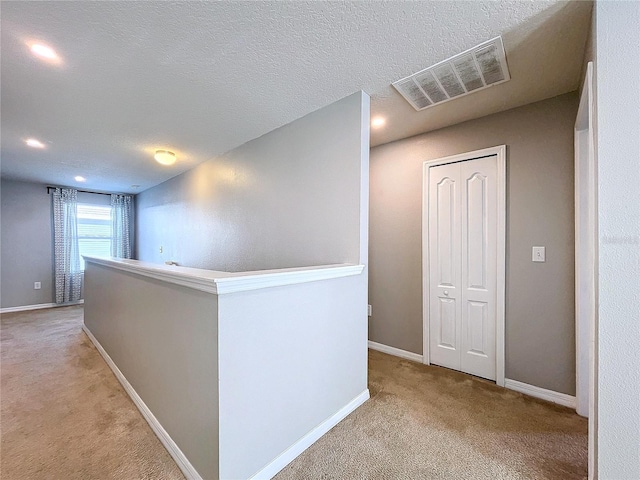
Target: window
94, 231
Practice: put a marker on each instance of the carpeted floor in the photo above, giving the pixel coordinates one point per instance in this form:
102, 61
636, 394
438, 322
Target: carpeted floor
65, 416
63, 413
427, 422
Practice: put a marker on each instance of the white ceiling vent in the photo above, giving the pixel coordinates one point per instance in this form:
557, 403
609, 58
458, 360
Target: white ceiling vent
479, 67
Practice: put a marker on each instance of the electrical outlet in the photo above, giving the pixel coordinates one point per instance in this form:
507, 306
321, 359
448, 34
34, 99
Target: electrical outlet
37, 285
538, 254
160, 248
369, 309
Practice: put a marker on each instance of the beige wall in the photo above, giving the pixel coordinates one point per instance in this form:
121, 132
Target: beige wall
589, 49
540, 346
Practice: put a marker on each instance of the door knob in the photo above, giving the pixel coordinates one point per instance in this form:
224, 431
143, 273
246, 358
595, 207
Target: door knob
446, 292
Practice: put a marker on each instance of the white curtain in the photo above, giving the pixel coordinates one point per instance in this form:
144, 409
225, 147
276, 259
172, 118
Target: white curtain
121, 225
68, 275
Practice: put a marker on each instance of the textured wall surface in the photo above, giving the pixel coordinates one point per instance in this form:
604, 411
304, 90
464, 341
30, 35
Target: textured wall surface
293, 197
27, 244
540, 348
618, 157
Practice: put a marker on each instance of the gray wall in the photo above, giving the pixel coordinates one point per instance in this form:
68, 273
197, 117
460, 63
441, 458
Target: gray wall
540, 346
290, 358
590, 56
27, 244
164, 339
293, 197
618, 158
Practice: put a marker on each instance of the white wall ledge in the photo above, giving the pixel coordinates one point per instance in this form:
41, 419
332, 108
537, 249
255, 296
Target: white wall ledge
220, 283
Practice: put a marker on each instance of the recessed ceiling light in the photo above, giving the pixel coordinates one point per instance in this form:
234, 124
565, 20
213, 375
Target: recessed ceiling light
78, 178
43, 51
32, 142
165, 157
378, 122
135, 186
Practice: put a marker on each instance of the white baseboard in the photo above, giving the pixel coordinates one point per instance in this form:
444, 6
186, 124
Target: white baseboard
395, 351
39, 306
25, 308
543, 393
309, 439
173, 449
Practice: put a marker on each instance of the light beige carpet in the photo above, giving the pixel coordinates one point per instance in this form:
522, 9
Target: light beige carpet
63, 413
426, 422
65, 416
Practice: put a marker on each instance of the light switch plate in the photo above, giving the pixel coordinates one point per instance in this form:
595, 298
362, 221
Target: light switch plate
37, 285
538, 254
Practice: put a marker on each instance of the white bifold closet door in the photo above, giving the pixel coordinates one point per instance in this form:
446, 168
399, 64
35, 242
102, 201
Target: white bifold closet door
462, 266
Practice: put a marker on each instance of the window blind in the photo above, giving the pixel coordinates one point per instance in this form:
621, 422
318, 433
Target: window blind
94, 231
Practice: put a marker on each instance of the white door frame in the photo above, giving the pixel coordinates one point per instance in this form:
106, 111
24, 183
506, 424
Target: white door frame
501, 153
586, 259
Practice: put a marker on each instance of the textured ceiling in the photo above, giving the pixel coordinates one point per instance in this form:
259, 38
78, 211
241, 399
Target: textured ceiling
201, 78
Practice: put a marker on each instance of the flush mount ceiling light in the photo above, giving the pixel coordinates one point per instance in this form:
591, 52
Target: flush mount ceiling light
78, 178
165, 157
378, 122
45, 52
32, 142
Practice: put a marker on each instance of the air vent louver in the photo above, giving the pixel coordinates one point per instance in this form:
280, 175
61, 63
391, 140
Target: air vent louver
479, 67
415, 95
